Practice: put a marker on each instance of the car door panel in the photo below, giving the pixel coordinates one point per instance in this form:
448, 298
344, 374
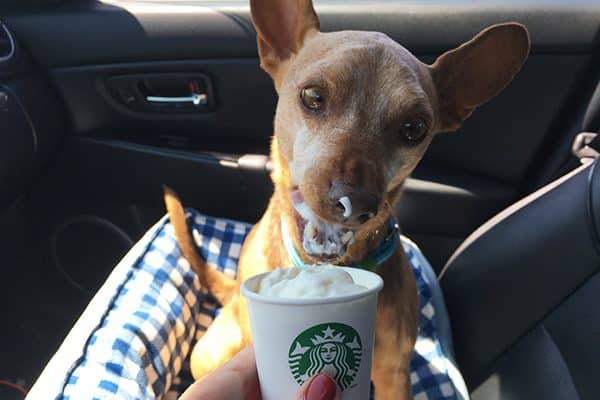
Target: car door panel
243, 95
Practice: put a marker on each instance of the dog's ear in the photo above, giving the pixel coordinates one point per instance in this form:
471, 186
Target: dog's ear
473, 73
281, 26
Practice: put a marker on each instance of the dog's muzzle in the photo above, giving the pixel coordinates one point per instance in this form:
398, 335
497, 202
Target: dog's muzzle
320, 238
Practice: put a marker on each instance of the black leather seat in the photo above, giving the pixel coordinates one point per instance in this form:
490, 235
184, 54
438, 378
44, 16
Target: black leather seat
523, 295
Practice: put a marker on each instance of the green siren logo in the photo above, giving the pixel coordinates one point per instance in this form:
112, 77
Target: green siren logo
332, 348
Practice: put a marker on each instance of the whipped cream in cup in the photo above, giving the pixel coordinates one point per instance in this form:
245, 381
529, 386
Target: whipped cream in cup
309, 320
320, 281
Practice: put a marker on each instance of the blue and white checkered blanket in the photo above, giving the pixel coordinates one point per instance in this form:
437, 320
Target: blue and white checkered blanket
134, 339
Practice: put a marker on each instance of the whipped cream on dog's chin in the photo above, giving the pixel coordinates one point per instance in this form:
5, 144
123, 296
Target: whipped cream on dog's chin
308, 282
320, 237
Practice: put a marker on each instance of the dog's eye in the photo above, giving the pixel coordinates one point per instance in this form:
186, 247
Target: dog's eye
413, 131
312, 98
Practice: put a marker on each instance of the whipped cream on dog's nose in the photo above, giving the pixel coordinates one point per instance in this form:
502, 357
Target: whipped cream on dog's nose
308, 282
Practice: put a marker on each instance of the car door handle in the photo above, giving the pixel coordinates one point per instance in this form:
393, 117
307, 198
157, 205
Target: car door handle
152, 93
197, 99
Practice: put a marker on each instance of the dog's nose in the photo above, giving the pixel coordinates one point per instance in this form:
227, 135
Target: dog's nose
352, 205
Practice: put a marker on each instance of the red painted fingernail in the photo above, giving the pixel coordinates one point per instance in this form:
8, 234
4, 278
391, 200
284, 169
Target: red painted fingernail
321, 387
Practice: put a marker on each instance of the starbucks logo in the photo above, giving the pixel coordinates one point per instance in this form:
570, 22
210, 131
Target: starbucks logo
332, 348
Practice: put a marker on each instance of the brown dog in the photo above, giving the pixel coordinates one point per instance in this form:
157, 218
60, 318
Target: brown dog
356, 112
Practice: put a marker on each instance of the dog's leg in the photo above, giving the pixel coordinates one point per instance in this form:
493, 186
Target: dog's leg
392, 355
395, 331
226, 336
392, 382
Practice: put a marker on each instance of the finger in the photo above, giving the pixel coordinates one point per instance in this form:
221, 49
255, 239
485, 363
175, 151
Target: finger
243, 365
319, 387
237, 379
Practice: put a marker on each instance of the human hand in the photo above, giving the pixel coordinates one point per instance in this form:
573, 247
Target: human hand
238, 380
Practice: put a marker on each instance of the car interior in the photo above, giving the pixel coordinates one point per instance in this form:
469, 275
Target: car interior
103, 102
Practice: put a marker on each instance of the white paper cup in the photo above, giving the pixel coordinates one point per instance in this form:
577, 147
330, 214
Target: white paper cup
297, 338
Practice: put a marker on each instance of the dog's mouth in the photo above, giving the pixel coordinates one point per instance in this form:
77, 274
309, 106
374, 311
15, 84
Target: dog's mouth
321, 239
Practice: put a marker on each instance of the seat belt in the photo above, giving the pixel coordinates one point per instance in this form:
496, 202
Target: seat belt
586, 147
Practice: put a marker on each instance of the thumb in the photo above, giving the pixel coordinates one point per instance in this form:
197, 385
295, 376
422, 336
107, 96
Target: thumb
319, 387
